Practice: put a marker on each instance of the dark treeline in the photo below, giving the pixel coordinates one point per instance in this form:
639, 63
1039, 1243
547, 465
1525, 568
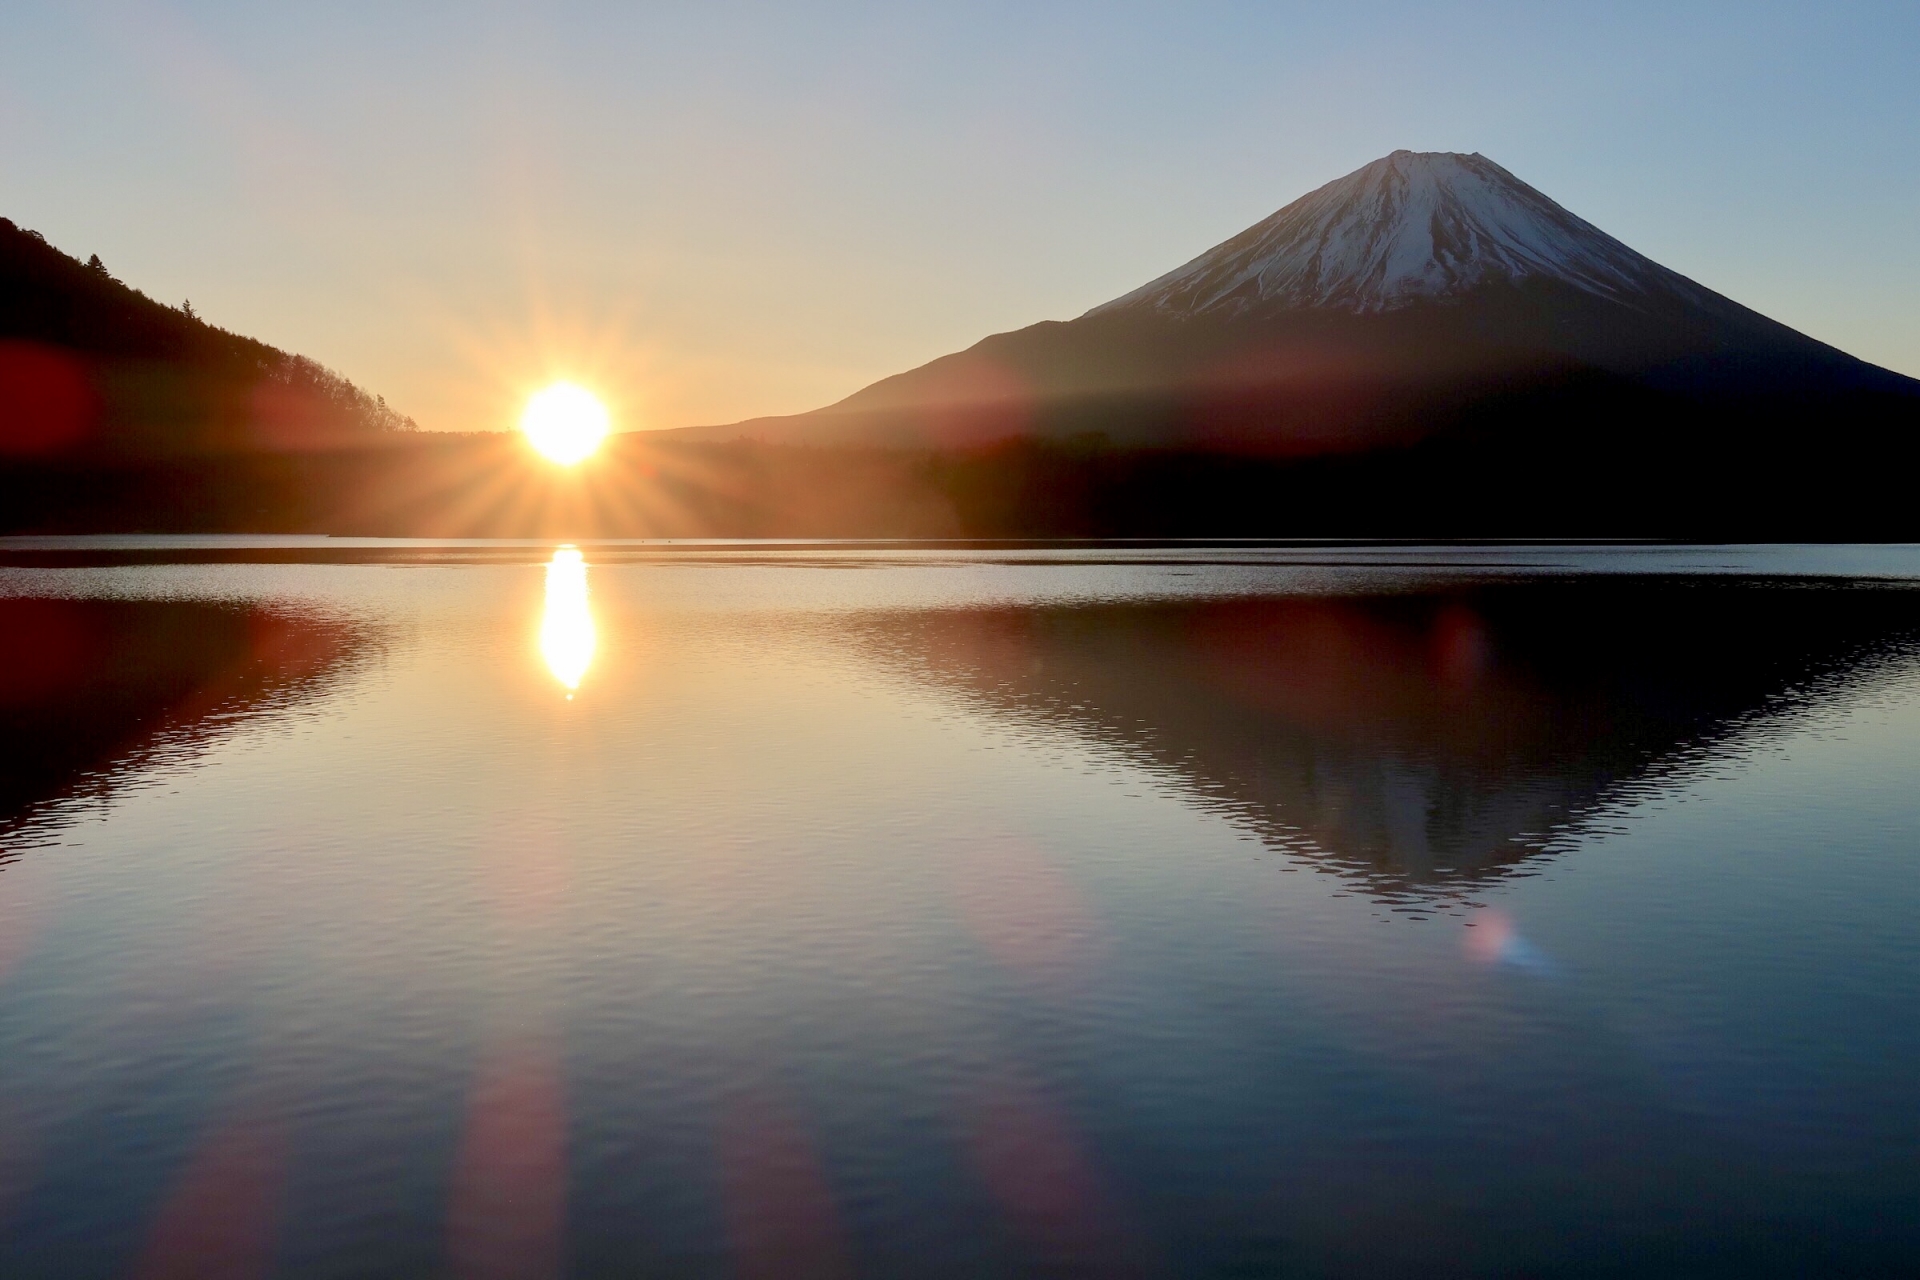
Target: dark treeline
1576, 469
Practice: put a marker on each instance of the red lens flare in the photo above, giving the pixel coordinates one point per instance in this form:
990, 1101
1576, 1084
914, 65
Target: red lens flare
46, 402
506, 1215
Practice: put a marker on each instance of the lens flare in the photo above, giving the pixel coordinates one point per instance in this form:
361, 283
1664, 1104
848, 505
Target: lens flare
565, 423
1497, 942
567, 636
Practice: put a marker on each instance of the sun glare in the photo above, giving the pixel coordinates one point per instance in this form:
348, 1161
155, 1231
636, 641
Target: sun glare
565, 423
567, 635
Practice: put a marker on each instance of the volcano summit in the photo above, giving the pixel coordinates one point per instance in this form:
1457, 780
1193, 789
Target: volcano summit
1406, 228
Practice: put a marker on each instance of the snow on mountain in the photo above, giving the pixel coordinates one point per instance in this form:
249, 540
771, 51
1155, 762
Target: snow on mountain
1410, 226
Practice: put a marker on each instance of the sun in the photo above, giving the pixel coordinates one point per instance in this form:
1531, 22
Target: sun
565, 422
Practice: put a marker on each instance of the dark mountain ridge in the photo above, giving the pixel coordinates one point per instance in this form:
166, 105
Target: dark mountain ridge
91, 366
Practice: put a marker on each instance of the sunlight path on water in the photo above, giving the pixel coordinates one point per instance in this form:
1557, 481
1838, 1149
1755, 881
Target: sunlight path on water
567, 634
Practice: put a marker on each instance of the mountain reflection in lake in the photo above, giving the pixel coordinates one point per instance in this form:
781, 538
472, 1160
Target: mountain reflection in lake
1423, 739
842, 912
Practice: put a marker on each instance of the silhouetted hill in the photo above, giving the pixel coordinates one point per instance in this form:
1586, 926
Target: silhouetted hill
90, 366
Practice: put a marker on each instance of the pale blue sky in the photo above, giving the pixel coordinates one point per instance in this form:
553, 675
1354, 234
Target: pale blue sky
717, 210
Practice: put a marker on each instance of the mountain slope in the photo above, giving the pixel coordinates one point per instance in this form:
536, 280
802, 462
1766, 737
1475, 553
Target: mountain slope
1422, 295
90, 365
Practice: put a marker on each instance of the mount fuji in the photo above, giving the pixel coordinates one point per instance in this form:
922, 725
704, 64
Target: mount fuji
1426, 301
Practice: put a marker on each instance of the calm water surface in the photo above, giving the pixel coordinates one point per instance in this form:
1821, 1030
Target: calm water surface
762, 910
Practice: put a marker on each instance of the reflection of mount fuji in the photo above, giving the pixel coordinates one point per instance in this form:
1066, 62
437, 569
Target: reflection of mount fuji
1427, 739
92, 691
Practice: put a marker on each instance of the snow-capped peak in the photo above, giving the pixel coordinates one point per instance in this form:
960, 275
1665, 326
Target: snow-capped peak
1412, 225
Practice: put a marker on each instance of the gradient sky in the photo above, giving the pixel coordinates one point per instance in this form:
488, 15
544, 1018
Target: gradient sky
712, 211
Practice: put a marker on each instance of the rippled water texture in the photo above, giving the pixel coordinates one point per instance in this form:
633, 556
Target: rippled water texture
477, 910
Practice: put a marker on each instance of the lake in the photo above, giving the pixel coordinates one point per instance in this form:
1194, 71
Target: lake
760, 909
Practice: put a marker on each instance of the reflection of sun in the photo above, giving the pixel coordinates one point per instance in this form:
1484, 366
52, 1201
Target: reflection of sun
566, 626
565, 422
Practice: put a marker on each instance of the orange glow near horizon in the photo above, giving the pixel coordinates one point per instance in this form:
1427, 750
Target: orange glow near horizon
565, 423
